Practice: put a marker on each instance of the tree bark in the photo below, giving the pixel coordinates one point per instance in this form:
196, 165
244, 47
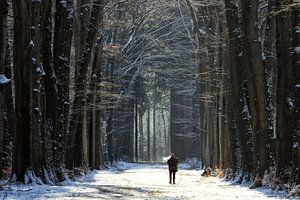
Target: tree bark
148, 135
285, 116
61, 62
238, 96
154, 148
136, 145
256, 84
23, 88
81, 26
270, 63
295, 176
50, 87
9, 122
37, 154
95, 105
3, 44
76, 127
141, 140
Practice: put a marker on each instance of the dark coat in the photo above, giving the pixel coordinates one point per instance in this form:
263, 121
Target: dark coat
173, 162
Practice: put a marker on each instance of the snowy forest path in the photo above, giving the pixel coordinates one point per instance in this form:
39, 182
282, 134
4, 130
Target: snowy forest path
143, 181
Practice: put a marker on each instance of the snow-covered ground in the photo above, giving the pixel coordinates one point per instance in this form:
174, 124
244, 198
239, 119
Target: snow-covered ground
139, 181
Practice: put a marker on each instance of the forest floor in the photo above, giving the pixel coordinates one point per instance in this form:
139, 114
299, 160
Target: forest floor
140, 181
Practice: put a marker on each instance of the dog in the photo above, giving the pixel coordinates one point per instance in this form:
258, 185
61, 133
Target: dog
206, 172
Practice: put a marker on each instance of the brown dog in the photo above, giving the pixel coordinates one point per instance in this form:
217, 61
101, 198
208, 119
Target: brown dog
206, 172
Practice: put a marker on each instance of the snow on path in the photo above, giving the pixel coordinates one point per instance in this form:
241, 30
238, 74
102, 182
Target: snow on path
140, 181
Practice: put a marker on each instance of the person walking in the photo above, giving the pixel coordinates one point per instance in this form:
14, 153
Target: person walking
172, 162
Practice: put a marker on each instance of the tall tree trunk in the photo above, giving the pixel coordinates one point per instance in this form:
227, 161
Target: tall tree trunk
237, 74
136, 127
285, 116
94, 104
50, 86
61, 60
3, 44
81, 26
221, 94
109, 131
81, 30
148, 135
154, 148
141, 130
9, 122
79, 105
23, 88
256, 84
295, 176
227, 109
38, 161
270, 63
99, 153
165, 131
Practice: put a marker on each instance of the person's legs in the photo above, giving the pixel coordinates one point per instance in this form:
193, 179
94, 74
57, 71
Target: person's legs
174, 177
170, 175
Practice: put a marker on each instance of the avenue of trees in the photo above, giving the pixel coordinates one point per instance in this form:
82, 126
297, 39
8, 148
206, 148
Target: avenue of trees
84, 83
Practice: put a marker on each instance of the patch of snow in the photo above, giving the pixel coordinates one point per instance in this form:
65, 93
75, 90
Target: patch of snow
295, 192
297, 29
33, 60
245, 109
263, 57
31, 43
39, 70
63, 58
290, 102
202, 31
36, 90
30, 178
297, 50
63, 3
42, 71
4, 79
36, 109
